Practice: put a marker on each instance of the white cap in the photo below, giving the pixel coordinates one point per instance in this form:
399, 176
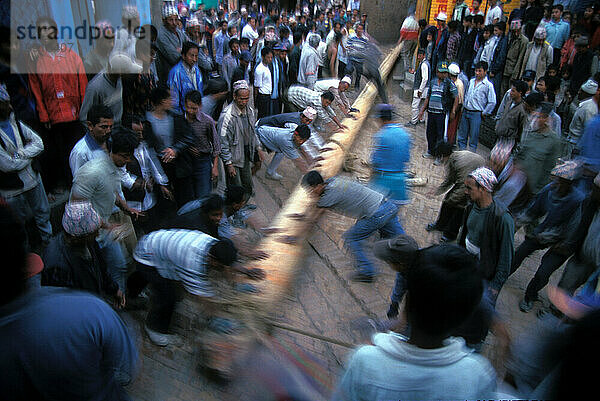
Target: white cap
441, 17
347, 80
310, 113
454, 69
121, 63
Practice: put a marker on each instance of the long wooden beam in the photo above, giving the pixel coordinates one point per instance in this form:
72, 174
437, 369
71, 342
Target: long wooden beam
281, 266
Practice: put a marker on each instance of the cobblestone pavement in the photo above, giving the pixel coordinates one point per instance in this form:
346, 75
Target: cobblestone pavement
325, 301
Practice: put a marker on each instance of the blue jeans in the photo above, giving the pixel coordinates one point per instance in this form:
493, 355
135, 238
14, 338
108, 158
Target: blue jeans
385, 220
468, 129
114, 258
33, 202
202, 175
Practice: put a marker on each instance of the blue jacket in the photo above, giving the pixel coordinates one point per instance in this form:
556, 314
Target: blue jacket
499, 57
557, 33
180, 84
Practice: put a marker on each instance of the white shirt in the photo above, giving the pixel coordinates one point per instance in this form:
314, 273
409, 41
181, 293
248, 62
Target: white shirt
263, 80
250, 33
494, 13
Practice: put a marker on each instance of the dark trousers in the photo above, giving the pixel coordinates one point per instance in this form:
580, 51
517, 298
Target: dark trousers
202, 176
183, 187
243, 177
371, 72
436, 123
551, 261
341, 69
58, 142
263, 105
163, 298
274, 106
449, 220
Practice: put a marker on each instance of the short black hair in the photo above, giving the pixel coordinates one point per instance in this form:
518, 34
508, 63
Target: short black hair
443, 149
327, 95
552, 83
478, 19
312, 179
297, 37
453, 25
303, 131
233, 41
158, 94
501, 25
422, 23
193, 96
187, 46
215, 85
265, 50
212, 202
559, 6
482, 64
451, 273
469, 18
97, 112
520, 86
231, 28
234, 194
222, 22
244, 41
224, 252
124, 140
128, 120
489, 28
534, 99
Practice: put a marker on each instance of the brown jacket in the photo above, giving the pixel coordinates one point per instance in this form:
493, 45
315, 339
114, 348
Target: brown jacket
460, 164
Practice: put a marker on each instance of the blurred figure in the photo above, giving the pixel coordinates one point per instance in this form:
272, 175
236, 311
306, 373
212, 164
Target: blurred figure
511, 189
97, 59
393, 366
106, 357
127, 35
458, 166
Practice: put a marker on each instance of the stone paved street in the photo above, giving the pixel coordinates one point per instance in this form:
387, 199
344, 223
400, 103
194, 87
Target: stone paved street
325, 301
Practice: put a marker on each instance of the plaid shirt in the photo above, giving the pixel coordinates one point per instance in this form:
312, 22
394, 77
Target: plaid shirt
206, 139
453, 46
303, 97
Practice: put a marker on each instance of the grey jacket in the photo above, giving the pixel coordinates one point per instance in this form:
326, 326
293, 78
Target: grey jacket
230, 128
168, 43
309, 66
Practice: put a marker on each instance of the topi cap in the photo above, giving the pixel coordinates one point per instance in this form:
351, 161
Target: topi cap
485, 177
454, 69
590, 87
239, 85
441, 17
80, 219
540, 33
309, 113
568, 170
169, 9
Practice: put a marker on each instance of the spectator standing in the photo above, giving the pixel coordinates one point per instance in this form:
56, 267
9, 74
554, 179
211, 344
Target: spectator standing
125, 37
185, 76
494, 15
263, 83
441, 102
294, 59
512, 116
453, 41
586, 110
169, 42
20, 183
106, 357
231, 61
583, 60
440, 44
218, 41
58, 87
517, 44
94, 143
240, 148
460, 12
249, 31
420, 87
106, 88
409, 34
538, 54
488, 231
480, 100
452, 124
309, 62
557, 32
97, 59
170, 136
539, 150
466, 52
498, 58
206, 147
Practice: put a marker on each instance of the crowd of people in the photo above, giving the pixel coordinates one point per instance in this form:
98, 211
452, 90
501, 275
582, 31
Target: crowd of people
152, 139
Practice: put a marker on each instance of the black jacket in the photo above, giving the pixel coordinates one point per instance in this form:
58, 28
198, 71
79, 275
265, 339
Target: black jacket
182, 140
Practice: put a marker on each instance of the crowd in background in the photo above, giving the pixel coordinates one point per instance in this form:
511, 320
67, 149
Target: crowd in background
152, 139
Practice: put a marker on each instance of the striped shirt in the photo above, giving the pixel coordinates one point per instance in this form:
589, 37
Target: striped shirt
303, 97
180, 255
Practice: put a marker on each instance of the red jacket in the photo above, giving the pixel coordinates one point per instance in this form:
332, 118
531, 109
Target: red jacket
58, 86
